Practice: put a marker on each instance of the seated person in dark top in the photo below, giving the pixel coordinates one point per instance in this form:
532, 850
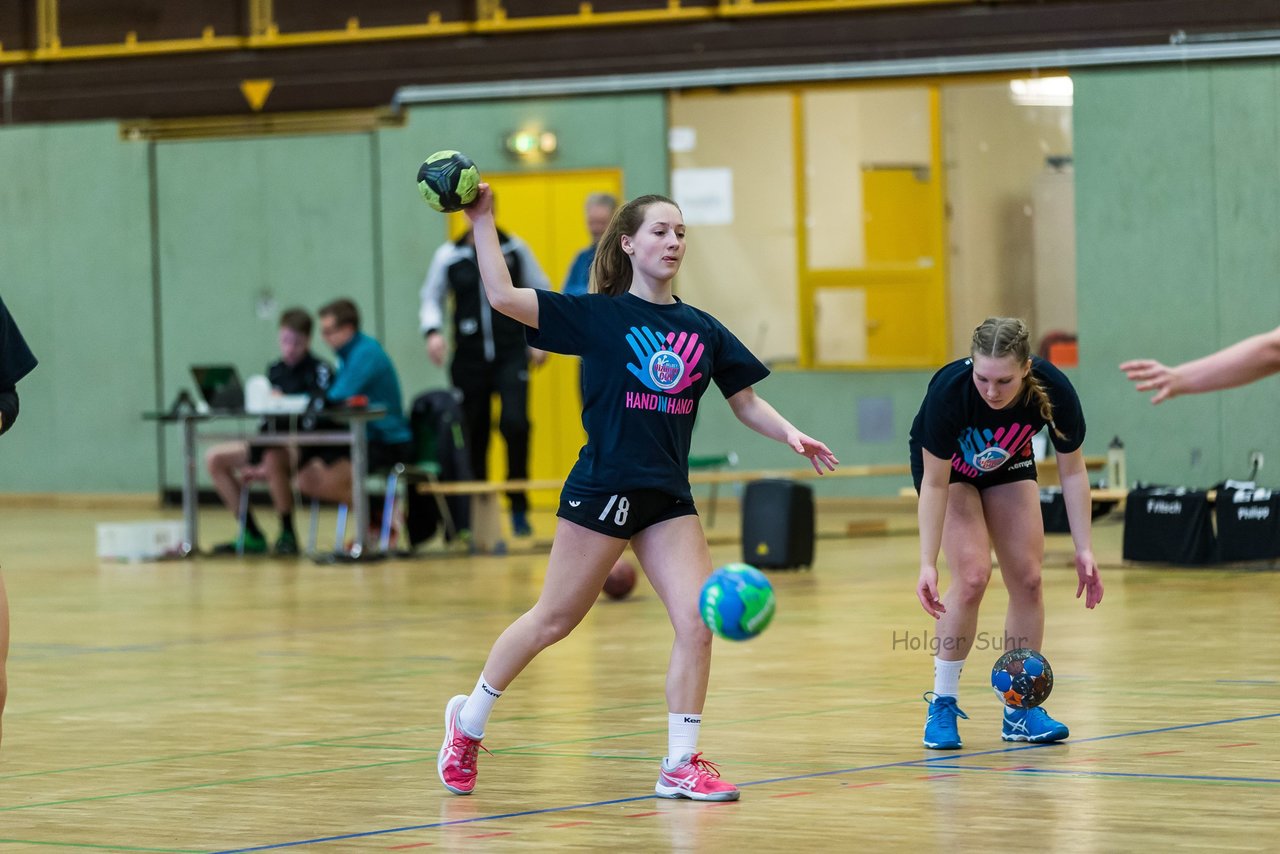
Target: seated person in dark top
364, 370
231, 464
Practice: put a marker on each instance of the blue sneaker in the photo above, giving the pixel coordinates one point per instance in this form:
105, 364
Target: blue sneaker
1033, 725
940, 731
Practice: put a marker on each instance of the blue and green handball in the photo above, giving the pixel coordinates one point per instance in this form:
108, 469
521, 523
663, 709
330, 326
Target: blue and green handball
449, 181
737, 602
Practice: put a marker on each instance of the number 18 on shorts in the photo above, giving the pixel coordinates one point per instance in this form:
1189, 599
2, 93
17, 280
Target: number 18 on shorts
623, 514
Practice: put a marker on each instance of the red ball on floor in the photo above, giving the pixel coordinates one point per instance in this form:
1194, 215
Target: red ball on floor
621, 580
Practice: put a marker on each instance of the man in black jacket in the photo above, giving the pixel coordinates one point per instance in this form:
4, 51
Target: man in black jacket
490, 355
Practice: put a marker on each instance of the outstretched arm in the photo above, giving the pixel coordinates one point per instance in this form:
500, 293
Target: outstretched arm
517, 303
1241, 363
755, 412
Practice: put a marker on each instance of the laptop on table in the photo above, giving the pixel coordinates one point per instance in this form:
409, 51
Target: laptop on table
220, 386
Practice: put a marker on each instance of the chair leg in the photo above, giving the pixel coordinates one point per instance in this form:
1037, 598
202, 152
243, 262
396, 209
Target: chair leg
389, 508
243, 518
442, 504
341, 533
313, 534
711, 508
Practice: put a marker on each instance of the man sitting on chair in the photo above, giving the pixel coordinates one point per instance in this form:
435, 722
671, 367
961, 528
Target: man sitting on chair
364, 371
231, 464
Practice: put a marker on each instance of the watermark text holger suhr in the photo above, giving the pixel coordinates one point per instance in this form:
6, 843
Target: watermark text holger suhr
909, 641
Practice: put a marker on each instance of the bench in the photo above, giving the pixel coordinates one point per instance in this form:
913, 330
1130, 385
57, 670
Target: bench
485, 519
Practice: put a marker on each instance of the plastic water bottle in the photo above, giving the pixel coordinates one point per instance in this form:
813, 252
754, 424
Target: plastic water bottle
1117, 477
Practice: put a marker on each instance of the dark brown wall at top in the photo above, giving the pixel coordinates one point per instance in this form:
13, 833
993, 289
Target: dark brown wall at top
92, 22
300, 16
17, 24
366, 75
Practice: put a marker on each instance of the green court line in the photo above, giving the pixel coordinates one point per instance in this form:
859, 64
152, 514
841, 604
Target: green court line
206, 753
425, 758
102, 847
134, 702
211, 785
335, 742
515, 751
432, 750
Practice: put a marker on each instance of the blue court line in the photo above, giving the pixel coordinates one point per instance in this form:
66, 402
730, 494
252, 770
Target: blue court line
924, 762
1072, 772
1248, 681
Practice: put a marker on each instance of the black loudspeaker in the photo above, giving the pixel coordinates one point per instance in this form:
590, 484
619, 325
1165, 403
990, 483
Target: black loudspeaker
777, 524
1169, 526
1248, 524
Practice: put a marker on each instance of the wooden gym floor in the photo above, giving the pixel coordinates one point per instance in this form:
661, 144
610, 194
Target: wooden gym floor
263, 705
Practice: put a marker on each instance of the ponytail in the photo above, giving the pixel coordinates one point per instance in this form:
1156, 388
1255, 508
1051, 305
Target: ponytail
1035, 390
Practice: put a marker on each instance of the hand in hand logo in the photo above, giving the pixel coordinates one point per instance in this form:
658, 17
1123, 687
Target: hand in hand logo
665, 364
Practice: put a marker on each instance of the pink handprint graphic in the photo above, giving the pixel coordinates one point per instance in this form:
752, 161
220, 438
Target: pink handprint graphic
689, 350
665, 364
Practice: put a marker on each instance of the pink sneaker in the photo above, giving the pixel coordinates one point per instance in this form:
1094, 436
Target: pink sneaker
696, 779
457, 761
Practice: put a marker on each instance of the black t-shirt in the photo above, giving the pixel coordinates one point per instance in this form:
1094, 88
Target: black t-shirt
955, 423
644, 369
16, 359
312, 377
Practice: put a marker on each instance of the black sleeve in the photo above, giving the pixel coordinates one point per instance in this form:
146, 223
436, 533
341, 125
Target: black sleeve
16, 359
939, 434
8, 409
321, 379
1068, 415
564, 322
941, 416
735, 366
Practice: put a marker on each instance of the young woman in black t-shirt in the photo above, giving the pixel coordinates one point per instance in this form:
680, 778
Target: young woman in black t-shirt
973, 467
647, 358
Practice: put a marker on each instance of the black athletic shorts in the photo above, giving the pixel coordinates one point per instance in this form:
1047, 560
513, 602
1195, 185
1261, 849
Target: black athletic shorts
1023, 469
623, 515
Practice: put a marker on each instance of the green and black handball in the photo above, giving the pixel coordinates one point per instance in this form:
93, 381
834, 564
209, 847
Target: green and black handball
449, 181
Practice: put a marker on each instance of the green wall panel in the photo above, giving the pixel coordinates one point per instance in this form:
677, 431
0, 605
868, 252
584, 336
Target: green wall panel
248, 228
75, 250
1176, 235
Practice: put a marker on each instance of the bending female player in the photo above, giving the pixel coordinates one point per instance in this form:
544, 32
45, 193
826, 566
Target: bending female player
973, 467
647, 358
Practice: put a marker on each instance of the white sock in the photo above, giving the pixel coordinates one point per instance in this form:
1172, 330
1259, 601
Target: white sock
475, 712
946, 677
682, 736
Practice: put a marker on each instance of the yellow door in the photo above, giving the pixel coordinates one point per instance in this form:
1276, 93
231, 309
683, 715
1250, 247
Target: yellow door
546, 210
897, 209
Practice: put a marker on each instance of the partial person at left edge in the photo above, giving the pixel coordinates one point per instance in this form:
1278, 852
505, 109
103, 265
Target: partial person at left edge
16, 361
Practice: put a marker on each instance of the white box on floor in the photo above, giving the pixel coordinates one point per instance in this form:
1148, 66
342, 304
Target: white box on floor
139, 540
